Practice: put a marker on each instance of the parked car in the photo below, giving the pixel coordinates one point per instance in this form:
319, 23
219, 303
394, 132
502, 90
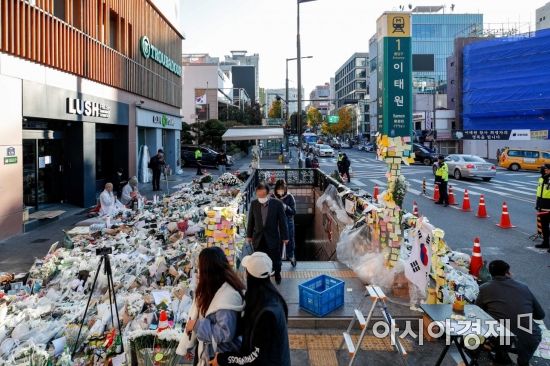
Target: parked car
516, 159
424, 155
345, 145
335, 144
368, 147
209, 156
325, 150
469, 166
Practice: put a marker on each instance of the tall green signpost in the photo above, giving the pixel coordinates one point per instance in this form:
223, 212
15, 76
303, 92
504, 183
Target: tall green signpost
394, 74
394, 123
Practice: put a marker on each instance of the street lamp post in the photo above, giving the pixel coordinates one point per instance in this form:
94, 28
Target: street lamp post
299, 72
286, 85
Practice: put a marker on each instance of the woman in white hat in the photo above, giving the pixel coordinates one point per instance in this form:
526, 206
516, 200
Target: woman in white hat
265, 334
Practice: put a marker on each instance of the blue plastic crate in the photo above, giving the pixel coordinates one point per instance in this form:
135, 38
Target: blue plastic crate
321, 295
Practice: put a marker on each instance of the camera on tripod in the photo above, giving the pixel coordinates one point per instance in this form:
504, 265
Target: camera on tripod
104, 251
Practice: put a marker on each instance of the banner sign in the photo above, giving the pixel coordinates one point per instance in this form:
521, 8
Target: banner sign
395, 75
506, 135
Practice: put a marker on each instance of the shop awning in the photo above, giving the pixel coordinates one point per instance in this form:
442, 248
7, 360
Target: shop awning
256, 133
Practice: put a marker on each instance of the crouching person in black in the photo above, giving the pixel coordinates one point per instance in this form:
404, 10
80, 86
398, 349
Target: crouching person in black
265, 334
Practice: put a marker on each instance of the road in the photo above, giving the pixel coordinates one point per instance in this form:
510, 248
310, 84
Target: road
517, 189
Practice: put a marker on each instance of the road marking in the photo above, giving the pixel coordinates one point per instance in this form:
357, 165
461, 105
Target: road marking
515, 190
524, 183
358, 183
382, 184
431, 188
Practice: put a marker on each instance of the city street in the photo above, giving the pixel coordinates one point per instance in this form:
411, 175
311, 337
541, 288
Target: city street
517, 189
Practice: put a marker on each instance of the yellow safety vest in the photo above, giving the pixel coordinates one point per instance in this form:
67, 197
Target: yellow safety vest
543, 190
198, 154
443, 172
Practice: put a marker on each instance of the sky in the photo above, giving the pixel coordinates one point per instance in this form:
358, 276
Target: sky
331, 30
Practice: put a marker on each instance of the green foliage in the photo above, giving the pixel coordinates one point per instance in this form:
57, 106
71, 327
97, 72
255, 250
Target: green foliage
186, 136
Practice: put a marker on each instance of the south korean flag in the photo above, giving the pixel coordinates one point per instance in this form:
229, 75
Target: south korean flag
417, 267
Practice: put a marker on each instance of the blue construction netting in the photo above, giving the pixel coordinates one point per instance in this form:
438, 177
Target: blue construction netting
507, 83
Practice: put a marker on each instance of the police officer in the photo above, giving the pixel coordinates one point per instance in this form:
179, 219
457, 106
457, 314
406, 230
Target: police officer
198, 160
543, 206
441, 179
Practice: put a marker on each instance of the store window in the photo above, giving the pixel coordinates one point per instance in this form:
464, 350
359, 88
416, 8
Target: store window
113, 30
59, 9
77, 14
104, 152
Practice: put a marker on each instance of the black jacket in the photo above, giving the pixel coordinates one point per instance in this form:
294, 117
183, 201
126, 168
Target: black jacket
275, 230
346, 163
156, 164
506, 298
289, 205
265, 339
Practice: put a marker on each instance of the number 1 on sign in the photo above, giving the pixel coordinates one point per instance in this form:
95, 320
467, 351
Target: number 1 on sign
398, 41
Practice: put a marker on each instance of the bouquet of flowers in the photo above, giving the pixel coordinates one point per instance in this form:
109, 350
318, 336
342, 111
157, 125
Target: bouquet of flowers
207, 178
229, 179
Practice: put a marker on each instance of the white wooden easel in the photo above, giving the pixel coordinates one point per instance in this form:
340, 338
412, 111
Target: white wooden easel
378, 299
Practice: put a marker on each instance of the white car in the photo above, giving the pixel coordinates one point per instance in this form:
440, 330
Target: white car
325, 150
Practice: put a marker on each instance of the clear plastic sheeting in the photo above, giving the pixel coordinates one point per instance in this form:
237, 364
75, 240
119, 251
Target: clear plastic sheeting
331, 201
356, 250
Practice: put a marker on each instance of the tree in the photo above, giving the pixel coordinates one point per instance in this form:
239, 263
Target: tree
186, 137
345, 115
252, 114
275, 111
294, 122
314, 117
211, 133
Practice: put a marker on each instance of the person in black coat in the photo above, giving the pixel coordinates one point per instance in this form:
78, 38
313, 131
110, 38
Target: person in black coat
346, 163
156, 164
289, 204
265, 333
119, 182
267, 228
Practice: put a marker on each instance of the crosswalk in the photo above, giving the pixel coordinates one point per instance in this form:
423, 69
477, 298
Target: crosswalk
367, 172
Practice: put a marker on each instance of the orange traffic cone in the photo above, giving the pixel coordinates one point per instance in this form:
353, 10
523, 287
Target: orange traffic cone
477, 260
163, 321
481, 209
436, 193
466, 202
452, 200
505, 218
375, 193
415, 209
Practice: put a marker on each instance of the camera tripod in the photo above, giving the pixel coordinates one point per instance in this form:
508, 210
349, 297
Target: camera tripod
104, 253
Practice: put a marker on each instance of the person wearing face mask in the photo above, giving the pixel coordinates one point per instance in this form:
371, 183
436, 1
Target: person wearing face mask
289, 204
267, 227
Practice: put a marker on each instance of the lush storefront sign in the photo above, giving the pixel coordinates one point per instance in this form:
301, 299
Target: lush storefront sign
148, 50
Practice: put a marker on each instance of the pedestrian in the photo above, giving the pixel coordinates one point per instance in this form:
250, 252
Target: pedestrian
130, 192
346, 164
442, 180
157, 164
543, 207
118, 182
265, 333
267, 228
507, 299
222, 161
289, 205
308, 161
198, 160
339, 163
215, 312
498, 155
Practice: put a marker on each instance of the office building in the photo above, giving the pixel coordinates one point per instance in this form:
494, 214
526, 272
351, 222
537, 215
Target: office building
271, 95
208, 92
433, 35
241, 58
373, 88
244, 77
320, 98
69, 120
351, 80
543, 17
505, 98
